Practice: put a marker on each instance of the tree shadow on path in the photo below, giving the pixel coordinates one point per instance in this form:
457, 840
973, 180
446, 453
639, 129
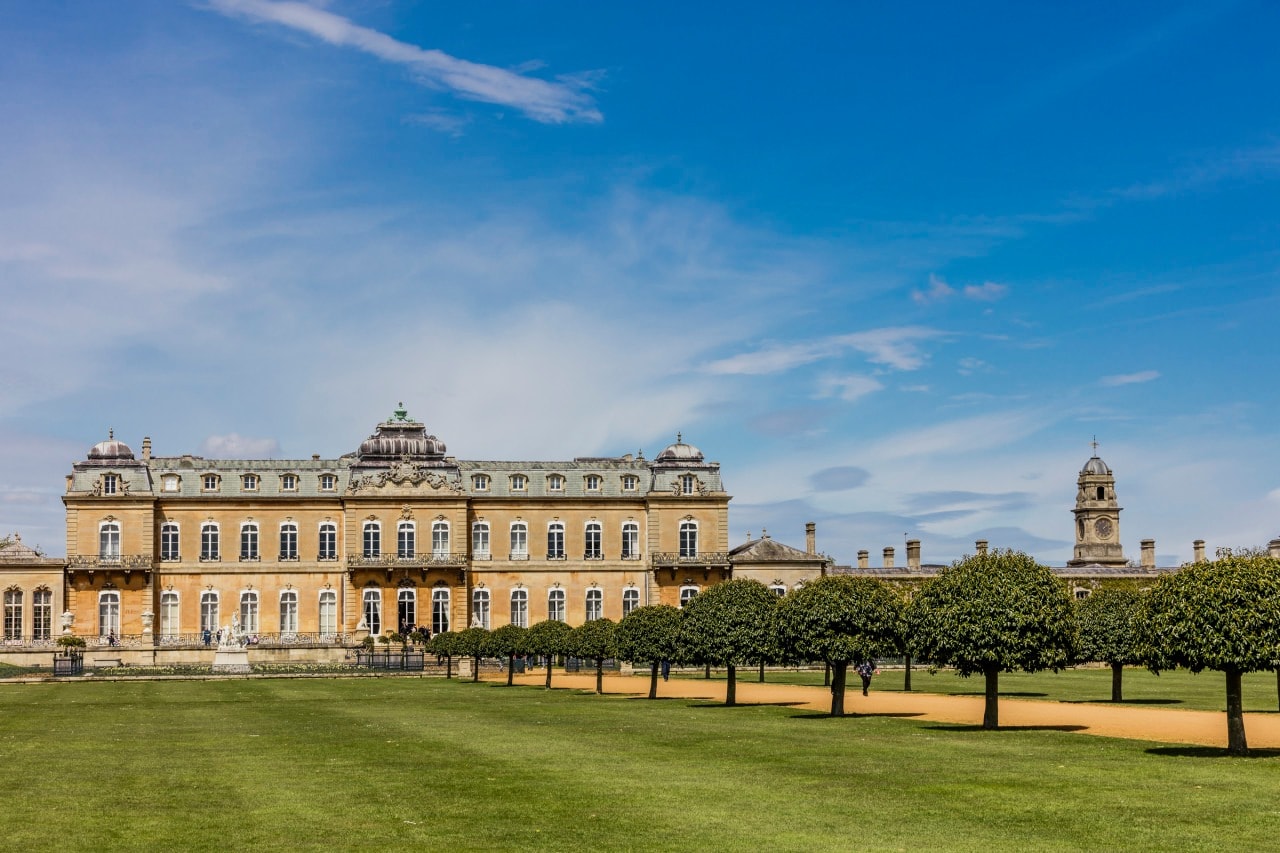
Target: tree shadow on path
1121, 703
1062, 728
820, 715
1209, 752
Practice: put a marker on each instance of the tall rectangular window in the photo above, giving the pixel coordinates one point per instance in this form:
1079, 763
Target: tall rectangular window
480, 540
373, 611
209, 611
372, 540
328, 613
249, 612
169, 542
595, 604
248, 542
555, 541
439, 610
288, 612
110, 482
328, 542
592, 548
168, 614
630, 541
288, 541
42, 614
688, 539
407, 609
13, 614
109, 541
555, 605
519, 541
480, 607
440, 539
520, 608
406, 540
109, 614
630, 601
208, 543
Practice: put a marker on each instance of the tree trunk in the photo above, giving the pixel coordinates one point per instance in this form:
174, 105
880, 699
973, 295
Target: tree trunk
1278, 685
475, 672
991, 714
841, 670
599, 676
1236, 744
762, 671
906, 676
731, 691
708, 673
511, 668
826, 675
1117, 674
448, 666
653, 680
549, 672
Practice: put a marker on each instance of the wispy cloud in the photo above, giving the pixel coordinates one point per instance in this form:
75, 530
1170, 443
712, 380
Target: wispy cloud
838, 478
234, 446
446, 123
847, 388
553, 102
1129, 378
939, 291
897, 347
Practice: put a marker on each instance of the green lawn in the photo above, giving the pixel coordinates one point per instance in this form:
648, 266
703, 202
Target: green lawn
341, 764
1174, 689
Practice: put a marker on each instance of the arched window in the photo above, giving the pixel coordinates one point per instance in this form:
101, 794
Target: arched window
328, 613
630, 600
555, 605
630, 482
169, 614
249, 541
208, 542
13, 614
249, 612
630, 541
480, 540
595, 604
439, 610
328, 549
592, 482
289, 541
439, 539
109, 540
169, 539
592, 549
407, 609
555, 541
519, 541
480, 482
42, 614
555, 483
778, 589
372, 540
406, 540
480, 608
373, 611
109, 614
519, 482
208, 611
288, 612
686, 594
688, 539
520, 608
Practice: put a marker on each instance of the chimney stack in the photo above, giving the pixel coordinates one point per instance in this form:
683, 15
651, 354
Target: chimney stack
146, 448
810, 537
888, 557
981, 545
864, 557
1148, 553
1198, 545
1273, 548
913, 555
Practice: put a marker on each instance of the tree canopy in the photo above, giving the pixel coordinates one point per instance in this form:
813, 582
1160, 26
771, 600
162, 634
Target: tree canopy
548, 638
1109, 631
506, 642
444, 645
593, 640
993, 612
840, 619
1222, 615
729, 624
649, 634
471, 643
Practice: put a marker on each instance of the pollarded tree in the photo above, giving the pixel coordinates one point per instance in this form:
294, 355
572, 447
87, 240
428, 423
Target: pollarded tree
593, 640
729, 624
1222, 615
840, 619
548, 638
993, 612
1109, 631
471, 643
649, 634
443, 645
506, 642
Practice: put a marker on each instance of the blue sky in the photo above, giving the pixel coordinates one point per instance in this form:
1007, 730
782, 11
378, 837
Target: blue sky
892, 265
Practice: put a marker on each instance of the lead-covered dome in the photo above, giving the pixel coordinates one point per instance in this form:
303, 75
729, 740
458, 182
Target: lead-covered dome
111, 451
1096, 466
680, 453
398, 439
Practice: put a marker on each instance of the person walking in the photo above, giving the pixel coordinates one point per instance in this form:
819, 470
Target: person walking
866, 669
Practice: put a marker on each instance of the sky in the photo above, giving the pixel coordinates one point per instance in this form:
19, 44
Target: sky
893, 266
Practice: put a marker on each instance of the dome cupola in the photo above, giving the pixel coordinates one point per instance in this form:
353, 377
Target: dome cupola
400, 438
111, 452
680, 454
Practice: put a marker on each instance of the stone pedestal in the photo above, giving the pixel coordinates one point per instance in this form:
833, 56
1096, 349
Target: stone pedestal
625, 668
231, 658
464, 667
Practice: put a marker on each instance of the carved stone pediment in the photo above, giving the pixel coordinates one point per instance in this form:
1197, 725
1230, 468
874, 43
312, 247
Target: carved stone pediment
404, 477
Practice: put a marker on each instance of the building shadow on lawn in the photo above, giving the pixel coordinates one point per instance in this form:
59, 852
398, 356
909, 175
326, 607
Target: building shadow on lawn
1209, 752
820, 715
1121, 702
1062, 728
1002, 694
709, 704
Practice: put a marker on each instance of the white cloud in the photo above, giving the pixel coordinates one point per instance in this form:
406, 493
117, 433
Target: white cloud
939, 291
896, 347
549, 102
1129, 378
988, 291
446, 123
847, 388
235, 446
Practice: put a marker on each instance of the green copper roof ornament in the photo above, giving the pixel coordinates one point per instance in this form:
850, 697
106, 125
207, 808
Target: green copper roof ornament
401, 413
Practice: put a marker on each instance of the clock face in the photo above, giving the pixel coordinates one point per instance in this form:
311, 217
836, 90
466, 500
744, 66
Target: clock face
1102, 527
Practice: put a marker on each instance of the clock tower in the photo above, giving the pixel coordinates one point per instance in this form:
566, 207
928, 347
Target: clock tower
1097, 517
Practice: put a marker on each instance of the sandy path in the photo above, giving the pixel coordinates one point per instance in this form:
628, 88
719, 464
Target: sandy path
1205, 728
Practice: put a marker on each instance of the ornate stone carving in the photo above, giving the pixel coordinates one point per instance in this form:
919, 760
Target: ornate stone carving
404, 474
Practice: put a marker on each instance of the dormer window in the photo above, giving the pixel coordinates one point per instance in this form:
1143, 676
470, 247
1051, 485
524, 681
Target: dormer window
209, 482
687, 484
630, 482
328, 482
555, 483
480, 482
110, 484
171, 483
288, 482
592, 482
519, 482
249, 482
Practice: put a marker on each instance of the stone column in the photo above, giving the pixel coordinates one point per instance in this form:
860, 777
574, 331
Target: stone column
1148, 553
811, 538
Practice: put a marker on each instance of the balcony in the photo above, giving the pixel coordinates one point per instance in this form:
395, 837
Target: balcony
419, 561
671, 559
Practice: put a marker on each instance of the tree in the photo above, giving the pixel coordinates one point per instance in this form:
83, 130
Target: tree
443, 645
506, 642
993, 612
547, 638
471, 643
1109, 631
593, 640
1222, 615
840, 619
649, 634
729, 623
